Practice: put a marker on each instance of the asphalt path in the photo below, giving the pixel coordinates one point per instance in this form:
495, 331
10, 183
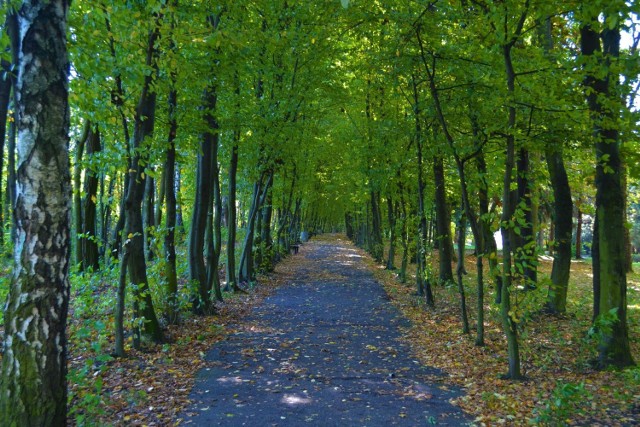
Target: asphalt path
325, 350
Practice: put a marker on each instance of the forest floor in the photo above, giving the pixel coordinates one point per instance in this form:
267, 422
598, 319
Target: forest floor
152, 387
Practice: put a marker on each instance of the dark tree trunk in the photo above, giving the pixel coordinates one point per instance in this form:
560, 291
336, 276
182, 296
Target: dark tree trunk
348, 225
148, 216
201, 299
33, 390
423, 283
77, 192
525, 248
89, 247
614, 349
509, 320
266, 246
392, 233
376, 248
137, 266
171, 313
404, 239
232, 223
443, 223
106, 219
214, 227
460, 271
178, 188
160, 199
461, 238
246, 267
562, 218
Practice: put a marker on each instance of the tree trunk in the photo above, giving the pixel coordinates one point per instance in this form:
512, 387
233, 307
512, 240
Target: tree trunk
178, 188
460, 271
77, 193
10, 201
376, 249
213, 274
214, 220
423, 283
171, 313
121, 294
232, 223
106, 219
266, 246
160, 199
443, 223
33, 390
525, 246
5, 98
392, 233
509, 318
137, 267
562, 218
614, 349
245, 270
201, 299
579, 235
404, 239
89, 247
148, 215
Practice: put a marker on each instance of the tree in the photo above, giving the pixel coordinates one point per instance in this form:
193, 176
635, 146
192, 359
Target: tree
136, 264
600, 47
34, 366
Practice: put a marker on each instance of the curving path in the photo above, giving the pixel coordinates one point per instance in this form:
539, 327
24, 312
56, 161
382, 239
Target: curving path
323, 350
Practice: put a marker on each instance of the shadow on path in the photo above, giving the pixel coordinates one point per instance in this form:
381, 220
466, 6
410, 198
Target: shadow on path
324, 350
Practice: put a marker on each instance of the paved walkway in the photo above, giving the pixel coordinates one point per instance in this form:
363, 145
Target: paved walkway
323, 350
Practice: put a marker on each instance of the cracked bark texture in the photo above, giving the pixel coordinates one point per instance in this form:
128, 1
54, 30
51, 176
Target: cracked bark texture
34, 389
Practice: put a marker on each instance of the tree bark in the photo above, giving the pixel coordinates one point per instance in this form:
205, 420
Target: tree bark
614, 349
137, 267
443, 223
562, 218
171, 312
509, 317
77, 193
423, 283
579, 234
376, 247
201, 298
5, 98
148, 214
525, 243
33, 389
89, 247
232, 223
391, 209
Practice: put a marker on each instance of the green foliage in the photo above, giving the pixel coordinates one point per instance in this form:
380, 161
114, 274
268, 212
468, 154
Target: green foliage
603, 326
566, 401
87, 401
5, 283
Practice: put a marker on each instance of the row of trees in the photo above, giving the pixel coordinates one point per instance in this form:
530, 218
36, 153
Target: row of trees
178, 109
514, 98
251, 121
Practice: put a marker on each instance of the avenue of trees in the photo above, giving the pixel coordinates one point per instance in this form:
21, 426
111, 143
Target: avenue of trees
186, 145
